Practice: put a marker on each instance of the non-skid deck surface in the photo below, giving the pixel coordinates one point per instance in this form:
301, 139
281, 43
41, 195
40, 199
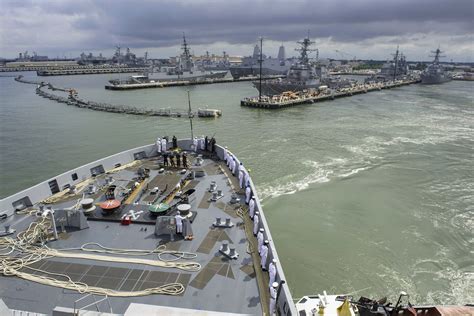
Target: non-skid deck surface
217, 266
213, 236
114, 278
205, 201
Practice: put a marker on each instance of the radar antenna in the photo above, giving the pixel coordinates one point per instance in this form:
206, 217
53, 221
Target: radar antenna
304, 49
437, 55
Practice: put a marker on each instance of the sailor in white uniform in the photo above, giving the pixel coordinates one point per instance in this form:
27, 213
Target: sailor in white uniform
230, 158
232, 166
255, 223
158, 145
272, 270
247, 177
202, 144
273, 297
260, 240
242, 174
195, 144
179, 223
252, 207
248, 194
226, 154
264, 254
163, 145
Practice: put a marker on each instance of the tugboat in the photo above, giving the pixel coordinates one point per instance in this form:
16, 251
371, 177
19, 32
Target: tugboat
435, 73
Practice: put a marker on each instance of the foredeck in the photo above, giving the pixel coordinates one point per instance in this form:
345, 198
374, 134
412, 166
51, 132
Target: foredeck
222, 284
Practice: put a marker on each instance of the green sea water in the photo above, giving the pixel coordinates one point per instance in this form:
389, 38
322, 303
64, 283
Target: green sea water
372, 192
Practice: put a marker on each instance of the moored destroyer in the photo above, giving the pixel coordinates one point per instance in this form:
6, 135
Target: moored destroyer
302, 75
435, 72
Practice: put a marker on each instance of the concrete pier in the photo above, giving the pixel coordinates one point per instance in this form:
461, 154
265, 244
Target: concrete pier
177, 83
90, 71
292, 99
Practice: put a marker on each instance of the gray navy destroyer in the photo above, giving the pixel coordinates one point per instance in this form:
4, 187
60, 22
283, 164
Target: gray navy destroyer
302, 75
435, 72
394, 69
184, 70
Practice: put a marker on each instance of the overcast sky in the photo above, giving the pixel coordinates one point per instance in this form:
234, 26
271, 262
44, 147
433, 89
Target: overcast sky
341, 28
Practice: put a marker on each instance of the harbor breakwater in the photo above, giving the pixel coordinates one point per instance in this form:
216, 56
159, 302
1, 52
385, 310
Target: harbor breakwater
72, 98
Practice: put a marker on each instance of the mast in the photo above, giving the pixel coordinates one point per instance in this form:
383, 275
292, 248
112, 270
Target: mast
190, 114
304, 49
260, 60
437, 55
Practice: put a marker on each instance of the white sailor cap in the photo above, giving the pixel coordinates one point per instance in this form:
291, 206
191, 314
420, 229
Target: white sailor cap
275, 284
253, 197
262, 230
225, 147
266, 242
257, 213
274, 260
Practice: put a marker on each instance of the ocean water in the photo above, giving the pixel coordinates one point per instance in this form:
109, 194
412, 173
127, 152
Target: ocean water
372, 194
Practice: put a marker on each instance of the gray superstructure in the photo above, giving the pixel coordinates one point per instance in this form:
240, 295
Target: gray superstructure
435, 73
250, 66
302, 75
185, 70
394, 69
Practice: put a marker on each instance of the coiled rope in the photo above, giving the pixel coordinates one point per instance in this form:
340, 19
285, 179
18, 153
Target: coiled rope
23, 251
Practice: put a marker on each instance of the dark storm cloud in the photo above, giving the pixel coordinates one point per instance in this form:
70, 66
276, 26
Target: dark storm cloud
242, 21
99, 24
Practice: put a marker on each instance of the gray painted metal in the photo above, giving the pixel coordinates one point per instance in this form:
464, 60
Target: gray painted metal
42, 190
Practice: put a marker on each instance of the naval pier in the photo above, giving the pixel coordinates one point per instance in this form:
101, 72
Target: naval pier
182, 82
290, 98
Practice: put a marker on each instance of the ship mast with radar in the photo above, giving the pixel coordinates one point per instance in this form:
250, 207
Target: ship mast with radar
437, 54
304, 49
186, 60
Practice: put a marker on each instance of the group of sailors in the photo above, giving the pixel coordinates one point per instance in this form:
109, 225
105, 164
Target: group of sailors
172, 159
204, 144
263, 245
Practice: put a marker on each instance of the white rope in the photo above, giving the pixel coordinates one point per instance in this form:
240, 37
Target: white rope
23, 251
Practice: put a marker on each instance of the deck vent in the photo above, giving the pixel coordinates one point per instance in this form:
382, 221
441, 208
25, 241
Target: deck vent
22, 203
53, 185
97, 170
139, 155
74, 176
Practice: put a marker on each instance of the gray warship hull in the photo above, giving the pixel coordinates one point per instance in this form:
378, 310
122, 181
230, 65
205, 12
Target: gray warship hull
434, 79
247, 71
